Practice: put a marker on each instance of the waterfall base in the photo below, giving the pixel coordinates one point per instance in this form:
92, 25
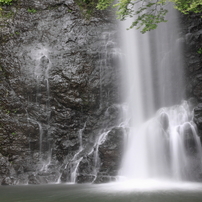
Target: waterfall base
165, 147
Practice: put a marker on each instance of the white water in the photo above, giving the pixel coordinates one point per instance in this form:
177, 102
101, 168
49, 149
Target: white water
164, 144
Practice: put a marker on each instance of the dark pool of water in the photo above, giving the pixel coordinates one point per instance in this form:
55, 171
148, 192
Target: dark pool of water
101, 193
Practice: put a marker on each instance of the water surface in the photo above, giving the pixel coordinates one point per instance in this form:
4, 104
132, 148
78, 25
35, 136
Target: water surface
122, 192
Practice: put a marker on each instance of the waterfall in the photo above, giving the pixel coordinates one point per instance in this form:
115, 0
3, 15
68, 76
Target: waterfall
41, 58
161, 139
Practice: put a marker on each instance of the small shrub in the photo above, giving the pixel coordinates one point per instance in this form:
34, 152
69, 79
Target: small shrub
32, 10
199, 51
5, 1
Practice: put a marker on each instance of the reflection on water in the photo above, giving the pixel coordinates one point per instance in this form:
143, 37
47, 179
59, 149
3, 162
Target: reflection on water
114, 192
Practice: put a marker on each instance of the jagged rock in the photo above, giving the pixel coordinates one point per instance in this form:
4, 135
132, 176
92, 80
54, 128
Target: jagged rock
110, 153
7, 181
198, 117
6, 171
189, 141
193, 43
87, 169
164, 121
32, 179
85, 178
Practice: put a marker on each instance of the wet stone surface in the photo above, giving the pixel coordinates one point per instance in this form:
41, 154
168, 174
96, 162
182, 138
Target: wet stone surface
58, 80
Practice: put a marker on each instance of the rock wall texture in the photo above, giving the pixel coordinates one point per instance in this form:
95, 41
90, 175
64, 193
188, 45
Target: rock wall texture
193, 64
58, 92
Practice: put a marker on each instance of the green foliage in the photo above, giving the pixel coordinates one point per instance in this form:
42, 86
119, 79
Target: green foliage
5, 2
7, 112
148, 14
87, 6
103, 4
199, 51
32, 10
186, 6
6, 14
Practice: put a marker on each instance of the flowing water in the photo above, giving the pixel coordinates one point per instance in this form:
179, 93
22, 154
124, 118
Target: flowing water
161, 139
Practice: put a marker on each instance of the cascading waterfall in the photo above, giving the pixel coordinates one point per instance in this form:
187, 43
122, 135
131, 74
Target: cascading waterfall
162, 144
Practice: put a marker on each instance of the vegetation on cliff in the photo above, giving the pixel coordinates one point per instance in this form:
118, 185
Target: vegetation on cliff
5, 1
148, 13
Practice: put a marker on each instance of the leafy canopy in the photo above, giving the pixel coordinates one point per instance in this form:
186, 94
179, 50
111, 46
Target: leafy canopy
5, 1
149, 13
186, 6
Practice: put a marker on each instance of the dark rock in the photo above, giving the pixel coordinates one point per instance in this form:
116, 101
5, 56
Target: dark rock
189, 141
164, 121
193, 43
87, 169
7, 181
5, 166
82, 178
58, 88
110, 153
198, 116
32, 179
104, 179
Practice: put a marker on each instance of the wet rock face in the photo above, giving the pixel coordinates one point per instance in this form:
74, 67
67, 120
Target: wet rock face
193, 44
6, 170
198, 118
110, 155
103, 163
58, 82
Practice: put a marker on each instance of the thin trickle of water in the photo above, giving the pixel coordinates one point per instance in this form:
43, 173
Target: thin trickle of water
40, 56
74, 167
107, 53
74, 163
100, 141
80, 137
40, 138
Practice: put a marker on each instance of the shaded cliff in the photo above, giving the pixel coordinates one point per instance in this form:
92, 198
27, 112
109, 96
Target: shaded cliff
58, 89
193, 63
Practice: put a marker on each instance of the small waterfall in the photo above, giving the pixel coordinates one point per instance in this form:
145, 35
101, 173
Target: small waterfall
107, 52
161, 138
76, 159
40, 138
100, 141
40, 56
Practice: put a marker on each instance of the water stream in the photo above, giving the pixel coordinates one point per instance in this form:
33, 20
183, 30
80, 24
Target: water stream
162, 141
40, 56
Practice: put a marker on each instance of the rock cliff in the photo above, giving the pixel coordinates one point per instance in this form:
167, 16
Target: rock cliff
58, 90
193, 64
